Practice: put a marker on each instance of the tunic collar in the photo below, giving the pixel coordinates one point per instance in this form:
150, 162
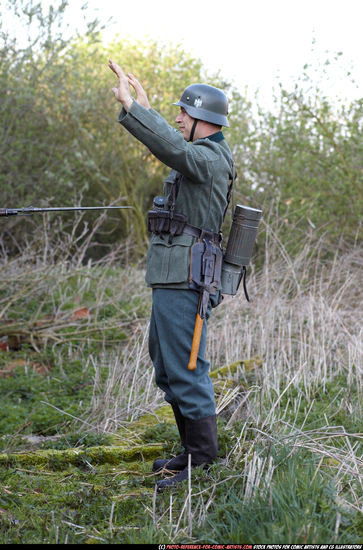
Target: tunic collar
216, 137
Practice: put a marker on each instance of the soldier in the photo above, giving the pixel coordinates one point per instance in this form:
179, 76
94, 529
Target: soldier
193, 205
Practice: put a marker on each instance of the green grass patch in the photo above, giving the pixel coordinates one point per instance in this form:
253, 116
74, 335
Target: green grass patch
25, 394
73, 506
334, 402
299, 505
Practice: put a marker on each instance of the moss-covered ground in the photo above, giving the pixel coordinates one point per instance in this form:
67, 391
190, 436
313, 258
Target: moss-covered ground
62, 484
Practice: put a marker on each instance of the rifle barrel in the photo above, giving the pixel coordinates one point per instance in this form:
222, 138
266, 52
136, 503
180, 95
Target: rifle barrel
34, 210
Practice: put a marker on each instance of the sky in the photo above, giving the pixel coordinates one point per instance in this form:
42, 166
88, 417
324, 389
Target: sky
254, 43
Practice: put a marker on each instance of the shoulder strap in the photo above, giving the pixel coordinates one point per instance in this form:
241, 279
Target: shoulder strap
176, 185
230, 188
174, 193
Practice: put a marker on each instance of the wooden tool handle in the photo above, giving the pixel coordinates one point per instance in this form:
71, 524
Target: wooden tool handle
196, 342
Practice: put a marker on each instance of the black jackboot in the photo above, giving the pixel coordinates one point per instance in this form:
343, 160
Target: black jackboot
201, 442
180, 461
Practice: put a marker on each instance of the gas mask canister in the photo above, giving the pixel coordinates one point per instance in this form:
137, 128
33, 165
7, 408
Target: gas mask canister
239, 248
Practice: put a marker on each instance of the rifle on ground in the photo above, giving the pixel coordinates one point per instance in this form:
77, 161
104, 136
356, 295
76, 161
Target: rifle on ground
34, 210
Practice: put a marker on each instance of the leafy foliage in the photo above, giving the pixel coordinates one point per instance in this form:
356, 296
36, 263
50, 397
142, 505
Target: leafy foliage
61, 143
60, 136
306, 157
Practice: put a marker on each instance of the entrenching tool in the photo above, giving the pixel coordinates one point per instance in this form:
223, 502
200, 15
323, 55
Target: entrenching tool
206, 266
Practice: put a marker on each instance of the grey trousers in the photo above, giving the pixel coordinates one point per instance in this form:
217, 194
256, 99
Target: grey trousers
170, 340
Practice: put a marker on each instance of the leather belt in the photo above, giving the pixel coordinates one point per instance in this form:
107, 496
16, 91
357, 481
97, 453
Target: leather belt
197, 232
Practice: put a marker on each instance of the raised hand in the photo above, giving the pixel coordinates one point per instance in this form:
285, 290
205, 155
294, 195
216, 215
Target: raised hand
122, 93
141, 96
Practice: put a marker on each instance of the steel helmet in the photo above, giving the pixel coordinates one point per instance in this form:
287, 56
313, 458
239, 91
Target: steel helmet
204, 102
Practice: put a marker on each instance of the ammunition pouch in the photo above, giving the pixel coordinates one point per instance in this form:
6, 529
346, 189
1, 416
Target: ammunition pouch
163, 221
206, 254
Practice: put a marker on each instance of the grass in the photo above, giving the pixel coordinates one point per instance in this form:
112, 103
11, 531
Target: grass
288, 381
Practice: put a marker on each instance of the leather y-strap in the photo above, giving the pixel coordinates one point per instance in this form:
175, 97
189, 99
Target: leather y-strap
230, 188
174, 193
176, 186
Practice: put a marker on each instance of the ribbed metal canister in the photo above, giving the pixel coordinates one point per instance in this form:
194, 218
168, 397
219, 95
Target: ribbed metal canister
242, 235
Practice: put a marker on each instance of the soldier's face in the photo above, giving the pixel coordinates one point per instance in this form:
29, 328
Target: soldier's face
185, 123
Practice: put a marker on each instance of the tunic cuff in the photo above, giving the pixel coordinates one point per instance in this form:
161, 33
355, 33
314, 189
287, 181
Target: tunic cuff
136, 112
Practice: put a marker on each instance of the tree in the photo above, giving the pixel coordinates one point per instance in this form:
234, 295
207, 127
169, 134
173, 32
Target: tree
307, 157
60, 141
61, 136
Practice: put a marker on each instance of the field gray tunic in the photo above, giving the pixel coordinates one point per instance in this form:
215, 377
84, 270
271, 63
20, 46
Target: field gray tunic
205, 166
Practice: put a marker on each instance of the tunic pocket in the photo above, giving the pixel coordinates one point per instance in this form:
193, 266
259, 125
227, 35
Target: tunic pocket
168, 262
